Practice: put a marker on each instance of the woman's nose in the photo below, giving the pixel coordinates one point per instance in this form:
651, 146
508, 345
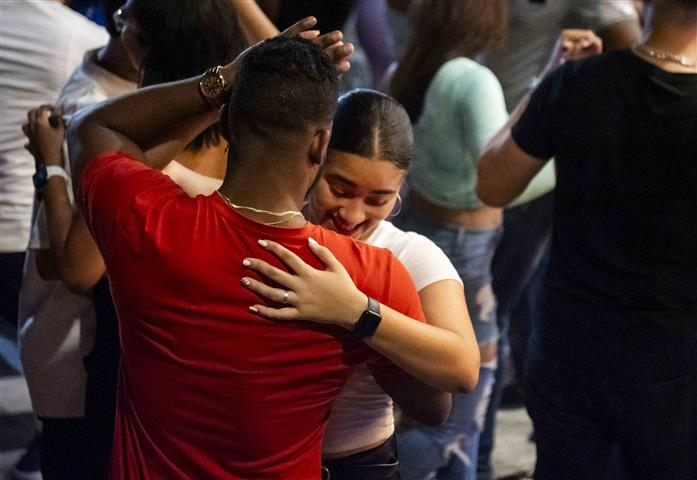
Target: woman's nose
351, 214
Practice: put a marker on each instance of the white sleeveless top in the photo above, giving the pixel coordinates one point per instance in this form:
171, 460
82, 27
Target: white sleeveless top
363, 414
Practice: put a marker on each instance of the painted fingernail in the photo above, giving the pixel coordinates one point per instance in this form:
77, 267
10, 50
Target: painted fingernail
246, 281
254, 309
246, 262
312, 241
263, 243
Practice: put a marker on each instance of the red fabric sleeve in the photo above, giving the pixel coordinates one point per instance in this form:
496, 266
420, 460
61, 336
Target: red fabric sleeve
116, 193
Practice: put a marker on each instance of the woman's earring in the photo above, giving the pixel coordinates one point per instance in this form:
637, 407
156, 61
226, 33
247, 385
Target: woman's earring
397, 208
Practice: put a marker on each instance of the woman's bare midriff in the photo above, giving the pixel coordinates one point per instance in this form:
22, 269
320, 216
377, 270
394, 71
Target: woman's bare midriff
478, 218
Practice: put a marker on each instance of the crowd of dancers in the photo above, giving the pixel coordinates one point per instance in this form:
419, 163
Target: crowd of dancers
237, 252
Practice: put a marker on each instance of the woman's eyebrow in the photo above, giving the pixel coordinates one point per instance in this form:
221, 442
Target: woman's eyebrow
335, 177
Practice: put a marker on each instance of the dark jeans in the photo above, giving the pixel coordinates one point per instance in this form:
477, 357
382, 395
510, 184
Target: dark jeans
102, 366
582, 421
516, 269
64, 449
379, 463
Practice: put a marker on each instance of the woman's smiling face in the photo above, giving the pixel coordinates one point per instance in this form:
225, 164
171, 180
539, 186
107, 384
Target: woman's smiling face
354, 193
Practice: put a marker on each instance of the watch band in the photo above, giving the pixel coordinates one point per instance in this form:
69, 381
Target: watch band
43, 173
56, 171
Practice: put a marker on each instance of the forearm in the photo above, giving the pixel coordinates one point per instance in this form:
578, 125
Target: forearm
254, 23
436, 356
113, 125
160, 108
72, 248
442, 353
373, 33
161, 150
84, 265
59, 214
416, 399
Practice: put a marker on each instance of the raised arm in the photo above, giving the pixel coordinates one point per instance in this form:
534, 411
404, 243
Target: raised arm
505, 169
73, 256
255, 25
162, 109
443, 356
111, 125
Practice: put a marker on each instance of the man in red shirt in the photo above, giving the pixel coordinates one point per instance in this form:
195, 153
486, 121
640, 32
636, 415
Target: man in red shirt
208, 389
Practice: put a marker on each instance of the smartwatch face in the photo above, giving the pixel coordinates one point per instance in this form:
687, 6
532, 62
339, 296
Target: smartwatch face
372, 320
368, 323
40, 177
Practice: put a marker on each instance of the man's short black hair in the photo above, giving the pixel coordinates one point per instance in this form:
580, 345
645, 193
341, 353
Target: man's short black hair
283, 85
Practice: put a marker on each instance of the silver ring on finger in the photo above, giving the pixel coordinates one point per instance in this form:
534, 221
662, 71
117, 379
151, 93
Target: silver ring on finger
285, 297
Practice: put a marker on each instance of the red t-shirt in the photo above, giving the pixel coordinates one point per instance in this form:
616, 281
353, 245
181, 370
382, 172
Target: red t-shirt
208, 390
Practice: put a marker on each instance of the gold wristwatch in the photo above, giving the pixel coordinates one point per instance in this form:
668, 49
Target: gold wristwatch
212, 86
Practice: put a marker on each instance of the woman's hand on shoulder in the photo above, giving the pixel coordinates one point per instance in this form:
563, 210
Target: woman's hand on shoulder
323, 296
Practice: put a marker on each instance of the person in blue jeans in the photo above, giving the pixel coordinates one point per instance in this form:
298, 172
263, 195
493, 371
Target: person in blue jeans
456, 106
451, 448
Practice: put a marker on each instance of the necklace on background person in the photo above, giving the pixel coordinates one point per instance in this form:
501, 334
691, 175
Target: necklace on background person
288, 214
683, 60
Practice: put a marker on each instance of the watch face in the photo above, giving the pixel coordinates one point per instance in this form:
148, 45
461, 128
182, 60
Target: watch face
367, 324
40, 177
212, 85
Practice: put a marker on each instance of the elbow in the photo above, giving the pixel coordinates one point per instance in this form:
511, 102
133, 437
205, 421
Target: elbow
78, 282
437, 412
488, 189
440, 417
77, 286
468, 376
469, 381
491, 197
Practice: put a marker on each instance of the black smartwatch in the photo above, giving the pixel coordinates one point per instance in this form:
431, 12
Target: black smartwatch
369, 320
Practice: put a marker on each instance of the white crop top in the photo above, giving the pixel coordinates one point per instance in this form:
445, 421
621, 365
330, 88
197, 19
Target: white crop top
363, 414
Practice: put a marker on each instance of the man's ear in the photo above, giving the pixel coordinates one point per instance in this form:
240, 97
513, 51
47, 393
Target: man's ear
318, 148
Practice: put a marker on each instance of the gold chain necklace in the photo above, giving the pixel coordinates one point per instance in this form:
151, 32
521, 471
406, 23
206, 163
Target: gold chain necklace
683, 60
290, 214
